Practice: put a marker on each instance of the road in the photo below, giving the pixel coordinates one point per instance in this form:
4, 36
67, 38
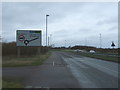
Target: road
68, 70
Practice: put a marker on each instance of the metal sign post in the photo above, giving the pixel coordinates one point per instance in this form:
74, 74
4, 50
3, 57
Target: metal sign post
18, 51
39, 50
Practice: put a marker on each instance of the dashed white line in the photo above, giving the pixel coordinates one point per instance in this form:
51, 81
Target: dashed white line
53, 63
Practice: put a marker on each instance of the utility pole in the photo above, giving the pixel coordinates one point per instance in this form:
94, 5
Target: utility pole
65, 43
46, 29
48, 40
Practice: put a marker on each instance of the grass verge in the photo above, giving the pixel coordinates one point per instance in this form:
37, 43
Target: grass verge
103, 57
92, 55
25, 61
11, 83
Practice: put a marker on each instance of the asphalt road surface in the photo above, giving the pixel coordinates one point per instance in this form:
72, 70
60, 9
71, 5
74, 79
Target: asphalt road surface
68, 70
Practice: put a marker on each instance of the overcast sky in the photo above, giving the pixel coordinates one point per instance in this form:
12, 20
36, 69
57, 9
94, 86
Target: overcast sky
69, 23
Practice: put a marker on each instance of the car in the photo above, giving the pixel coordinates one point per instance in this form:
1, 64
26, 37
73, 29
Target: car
92, 51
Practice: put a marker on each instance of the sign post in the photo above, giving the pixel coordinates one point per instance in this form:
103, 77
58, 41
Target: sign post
27, 38
39, 50
18, 51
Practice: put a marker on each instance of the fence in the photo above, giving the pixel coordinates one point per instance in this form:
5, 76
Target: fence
11, 49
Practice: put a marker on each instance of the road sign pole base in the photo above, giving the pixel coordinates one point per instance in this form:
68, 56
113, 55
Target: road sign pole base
39, 50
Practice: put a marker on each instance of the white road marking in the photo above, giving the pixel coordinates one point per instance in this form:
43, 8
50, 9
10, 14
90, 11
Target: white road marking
53, 63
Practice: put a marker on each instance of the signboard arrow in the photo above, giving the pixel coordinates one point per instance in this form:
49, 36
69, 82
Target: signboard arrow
26, 42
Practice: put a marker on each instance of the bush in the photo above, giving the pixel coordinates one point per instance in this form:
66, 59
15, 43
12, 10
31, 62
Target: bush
10, 49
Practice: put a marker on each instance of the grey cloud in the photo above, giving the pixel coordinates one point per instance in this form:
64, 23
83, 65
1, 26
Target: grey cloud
112, 20
60, 31
71, 21
113, 28
86, 30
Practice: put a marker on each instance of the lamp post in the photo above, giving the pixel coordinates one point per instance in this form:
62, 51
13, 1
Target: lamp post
46, 29
50, 39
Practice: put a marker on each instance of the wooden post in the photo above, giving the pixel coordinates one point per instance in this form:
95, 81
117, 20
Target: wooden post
18, 51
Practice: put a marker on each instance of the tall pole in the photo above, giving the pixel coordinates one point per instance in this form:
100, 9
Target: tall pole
85, 42
100, 40
46, 29
65, 43
50, 39
18, 52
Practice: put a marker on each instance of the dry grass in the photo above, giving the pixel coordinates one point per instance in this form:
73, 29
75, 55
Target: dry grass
24, 61
11, 83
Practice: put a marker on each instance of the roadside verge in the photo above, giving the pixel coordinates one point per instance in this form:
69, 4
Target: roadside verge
97, 56
25, 61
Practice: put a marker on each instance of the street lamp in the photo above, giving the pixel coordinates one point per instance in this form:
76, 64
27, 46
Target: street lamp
50, 39
46, 29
